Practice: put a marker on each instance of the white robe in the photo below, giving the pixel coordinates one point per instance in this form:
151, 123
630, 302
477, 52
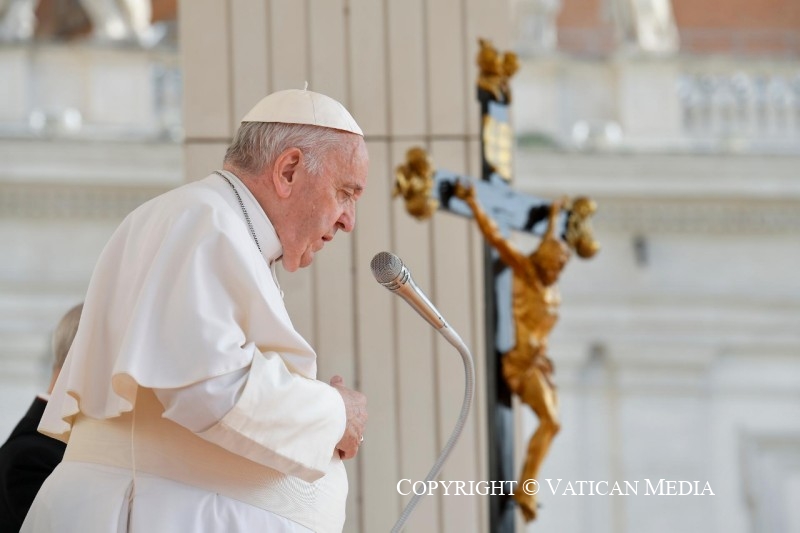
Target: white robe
182, 303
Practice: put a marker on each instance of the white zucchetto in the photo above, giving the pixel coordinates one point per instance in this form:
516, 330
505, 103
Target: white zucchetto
298, 106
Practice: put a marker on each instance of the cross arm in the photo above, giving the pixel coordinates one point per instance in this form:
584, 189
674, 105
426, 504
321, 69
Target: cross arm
428, 189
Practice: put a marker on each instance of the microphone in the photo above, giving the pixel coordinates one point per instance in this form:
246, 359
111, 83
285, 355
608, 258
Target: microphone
390, 272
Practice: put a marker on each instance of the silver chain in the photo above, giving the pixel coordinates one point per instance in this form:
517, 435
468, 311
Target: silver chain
241, 204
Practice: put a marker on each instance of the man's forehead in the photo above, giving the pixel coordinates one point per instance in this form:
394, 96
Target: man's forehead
356, 166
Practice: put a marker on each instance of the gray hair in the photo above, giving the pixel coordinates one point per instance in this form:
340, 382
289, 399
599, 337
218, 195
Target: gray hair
64, 334
257, 145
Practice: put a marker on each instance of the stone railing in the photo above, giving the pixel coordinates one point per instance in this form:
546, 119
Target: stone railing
682, 103
89, 91
601, 41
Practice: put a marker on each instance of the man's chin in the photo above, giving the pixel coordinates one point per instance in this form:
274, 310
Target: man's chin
290, 265
307, 259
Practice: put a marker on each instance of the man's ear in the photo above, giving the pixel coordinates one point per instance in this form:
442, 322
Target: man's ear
283, 171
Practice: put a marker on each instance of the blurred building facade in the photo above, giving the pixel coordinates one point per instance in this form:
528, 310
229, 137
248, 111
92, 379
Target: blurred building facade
682, 119
677, 353
90, 127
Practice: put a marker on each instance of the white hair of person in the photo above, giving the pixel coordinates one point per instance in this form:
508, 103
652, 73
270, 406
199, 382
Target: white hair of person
257, 145
64, 334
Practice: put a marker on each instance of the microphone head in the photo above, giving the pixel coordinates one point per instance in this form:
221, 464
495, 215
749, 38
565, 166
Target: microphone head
386, 267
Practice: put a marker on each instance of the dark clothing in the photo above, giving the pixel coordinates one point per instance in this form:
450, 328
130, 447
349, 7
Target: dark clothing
26, 459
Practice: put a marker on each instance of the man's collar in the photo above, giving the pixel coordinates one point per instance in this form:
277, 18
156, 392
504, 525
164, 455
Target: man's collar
268, 239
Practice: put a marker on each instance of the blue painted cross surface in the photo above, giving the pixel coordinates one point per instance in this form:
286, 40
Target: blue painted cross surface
511, 211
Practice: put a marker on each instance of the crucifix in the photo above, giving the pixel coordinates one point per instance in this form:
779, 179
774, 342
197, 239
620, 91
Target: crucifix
522, 299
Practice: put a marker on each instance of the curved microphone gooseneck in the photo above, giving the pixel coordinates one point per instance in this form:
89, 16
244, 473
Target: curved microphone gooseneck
390, 272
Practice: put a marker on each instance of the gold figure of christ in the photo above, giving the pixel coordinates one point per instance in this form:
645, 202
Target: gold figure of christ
527, 368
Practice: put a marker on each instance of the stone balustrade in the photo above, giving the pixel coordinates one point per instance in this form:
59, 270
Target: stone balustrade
90, 91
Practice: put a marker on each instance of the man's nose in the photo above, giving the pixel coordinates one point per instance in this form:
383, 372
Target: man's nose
347, 221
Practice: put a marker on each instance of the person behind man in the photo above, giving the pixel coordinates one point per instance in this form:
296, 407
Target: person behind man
189, 402
28, 457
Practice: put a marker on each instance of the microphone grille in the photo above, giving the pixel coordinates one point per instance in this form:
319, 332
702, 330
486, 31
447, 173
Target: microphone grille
386, 267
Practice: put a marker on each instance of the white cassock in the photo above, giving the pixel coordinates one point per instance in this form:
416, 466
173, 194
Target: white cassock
188, 400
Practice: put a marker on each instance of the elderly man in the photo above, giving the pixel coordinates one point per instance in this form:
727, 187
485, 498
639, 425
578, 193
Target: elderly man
188, 400
28, 457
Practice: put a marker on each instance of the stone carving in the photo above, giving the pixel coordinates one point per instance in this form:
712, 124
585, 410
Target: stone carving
648, 25
111, 20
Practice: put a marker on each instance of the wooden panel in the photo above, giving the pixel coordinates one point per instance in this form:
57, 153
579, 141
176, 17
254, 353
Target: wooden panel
206, 69
200, 159
298, 288
475, 258
454, 294
334, 310
379, 501
478, 335
490, 20
367, 58
479, 414
449, 87
407, 68
249, 56
289, 43
328, 58
419, 442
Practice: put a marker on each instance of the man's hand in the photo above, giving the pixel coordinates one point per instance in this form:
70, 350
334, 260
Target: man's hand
355, 405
